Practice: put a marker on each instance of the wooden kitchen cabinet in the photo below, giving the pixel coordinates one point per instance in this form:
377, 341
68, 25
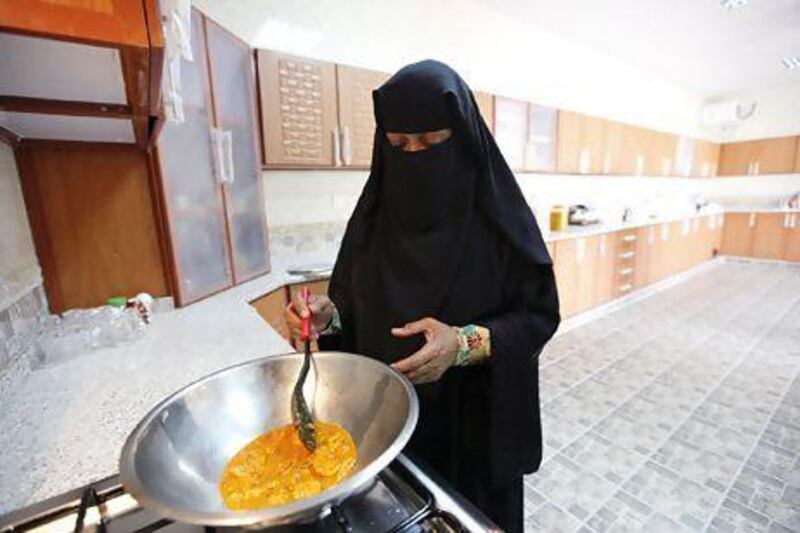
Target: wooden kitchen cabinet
97, 74
763, 156
635, 144
614, 156
660, 153
485, 103
213, 200
604, 270
511, 130
93, 222
298, 105
797, 155
706, 159
769, 235
233, 89
540, 149
566, 271
644, 242
356, 114
271, 307
792, 231
581, 143
739, 234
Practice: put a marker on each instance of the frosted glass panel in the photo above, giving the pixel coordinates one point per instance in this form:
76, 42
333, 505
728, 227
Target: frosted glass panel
233, 81
46, 68
194, 196
67, 128
511, 130
540, 152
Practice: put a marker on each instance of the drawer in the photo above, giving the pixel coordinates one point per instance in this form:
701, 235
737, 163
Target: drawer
627, 237
623, 287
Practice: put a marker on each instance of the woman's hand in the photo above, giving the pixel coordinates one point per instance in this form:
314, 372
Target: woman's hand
431, 361
321, 312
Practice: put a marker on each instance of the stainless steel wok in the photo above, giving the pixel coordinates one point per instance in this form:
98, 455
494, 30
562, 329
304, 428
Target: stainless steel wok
172, 462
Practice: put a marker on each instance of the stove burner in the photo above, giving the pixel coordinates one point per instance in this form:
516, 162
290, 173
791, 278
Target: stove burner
403, 498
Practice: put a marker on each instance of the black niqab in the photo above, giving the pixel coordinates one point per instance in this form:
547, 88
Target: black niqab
446, 233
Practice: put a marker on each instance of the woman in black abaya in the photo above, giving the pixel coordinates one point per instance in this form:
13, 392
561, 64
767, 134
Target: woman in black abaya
443, 274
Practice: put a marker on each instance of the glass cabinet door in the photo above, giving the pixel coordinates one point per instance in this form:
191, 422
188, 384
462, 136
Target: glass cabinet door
192, 192
233, 87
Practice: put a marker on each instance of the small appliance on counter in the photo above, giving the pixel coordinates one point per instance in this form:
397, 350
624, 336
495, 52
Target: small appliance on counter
581, 215
311, 270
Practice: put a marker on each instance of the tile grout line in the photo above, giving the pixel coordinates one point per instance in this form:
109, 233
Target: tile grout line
700, 402
627, 398
627, 353
760, 434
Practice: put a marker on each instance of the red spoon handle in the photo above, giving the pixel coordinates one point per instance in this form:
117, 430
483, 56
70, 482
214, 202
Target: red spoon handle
305, 332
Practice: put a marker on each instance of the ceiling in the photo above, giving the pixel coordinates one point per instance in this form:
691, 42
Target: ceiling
695, 44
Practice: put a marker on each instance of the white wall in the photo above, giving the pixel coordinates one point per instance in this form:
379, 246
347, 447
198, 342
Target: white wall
16, 245
493, 52
777, 114
297, 197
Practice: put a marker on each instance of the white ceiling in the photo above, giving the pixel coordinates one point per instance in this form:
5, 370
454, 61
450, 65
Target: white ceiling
695, 44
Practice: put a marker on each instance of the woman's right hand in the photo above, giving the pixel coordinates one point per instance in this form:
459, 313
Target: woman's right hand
321, 309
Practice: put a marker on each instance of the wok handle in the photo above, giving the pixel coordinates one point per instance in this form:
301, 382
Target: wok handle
305, 331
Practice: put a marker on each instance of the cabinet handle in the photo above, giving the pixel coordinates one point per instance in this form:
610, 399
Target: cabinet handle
794, 220
218, 154
347, 146
751, 222
625, 288
629, 238
227, 138
756, 166
337, 149
626, 271
627, 255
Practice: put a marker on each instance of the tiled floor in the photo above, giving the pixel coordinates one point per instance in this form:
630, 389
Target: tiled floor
680, 412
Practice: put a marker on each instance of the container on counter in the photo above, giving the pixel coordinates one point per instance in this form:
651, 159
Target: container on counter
559, 218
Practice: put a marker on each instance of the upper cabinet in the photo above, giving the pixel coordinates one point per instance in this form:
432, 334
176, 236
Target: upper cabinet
356, 113
797, 155
298, 106
97, 69
706, 159
764, 156
540, 152
213, 200
511, 130
485, 103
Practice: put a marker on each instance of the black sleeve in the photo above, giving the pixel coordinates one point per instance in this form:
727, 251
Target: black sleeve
531, 319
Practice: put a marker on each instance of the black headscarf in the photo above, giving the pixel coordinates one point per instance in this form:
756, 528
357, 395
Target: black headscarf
421, 212
445, 232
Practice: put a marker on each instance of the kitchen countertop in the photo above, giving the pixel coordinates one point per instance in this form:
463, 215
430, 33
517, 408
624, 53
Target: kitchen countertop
63, 426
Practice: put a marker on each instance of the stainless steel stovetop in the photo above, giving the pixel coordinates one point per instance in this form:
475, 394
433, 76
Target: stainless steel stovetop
403, 498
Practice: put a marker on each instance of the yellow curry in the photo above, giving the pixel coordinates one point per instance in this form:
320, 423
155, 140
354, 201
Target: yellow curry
276, 468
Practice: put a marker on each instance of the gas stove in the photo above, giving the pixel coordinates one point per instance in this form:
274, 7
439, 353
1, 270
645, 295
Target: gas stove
405, 497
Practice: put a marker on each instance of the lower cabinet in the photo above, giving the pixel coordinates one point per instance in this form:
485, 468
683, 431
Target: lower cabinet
271, 306
739, 234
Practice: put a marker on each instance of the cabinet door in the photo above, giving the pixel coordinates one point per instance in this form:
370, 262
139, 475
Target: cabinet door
642, 257
797, 155
735, 159
774, 156
706, 159
298, 107
540, 153
792, 250
634, 150
356, 115
566, 270
192, 193
606, 260
738, 233
511, 130
613, 155
593, 150
485, 103
233, 84
770, 235
586, 257
569, 142
271, 307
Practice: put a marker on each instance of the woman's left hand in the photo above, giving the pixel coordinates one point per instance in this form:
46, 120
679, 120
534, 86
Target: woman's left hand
431, 361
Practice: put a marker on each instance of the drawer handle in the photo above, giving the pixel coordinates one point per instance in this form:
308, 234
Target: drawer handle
626, 271
625, 288
627, 255
629, 238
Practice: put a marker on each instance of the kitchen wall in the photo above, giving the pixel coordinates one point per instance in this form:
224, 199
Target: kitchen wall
22, 299
307, 210
492, 51
777, 114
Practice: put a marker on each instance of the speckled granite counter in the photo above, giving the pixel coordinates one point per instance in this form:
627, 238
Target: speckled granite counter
63, 426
